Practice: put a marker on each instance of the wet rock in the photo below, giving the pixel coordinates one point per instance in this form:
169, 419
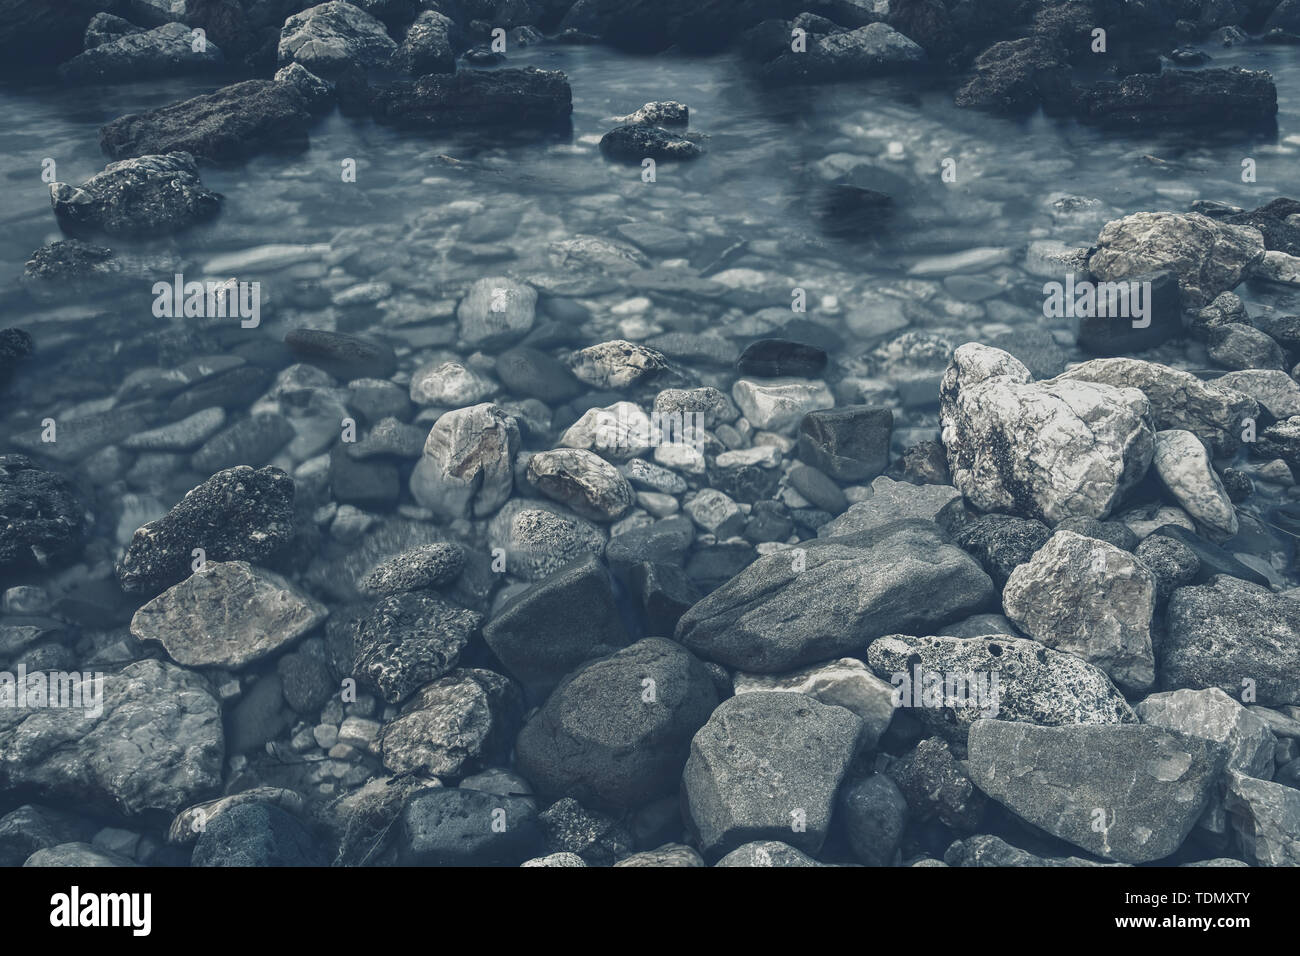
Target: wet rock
454, 827
1238, 346
449, 385
317, 93
617, 732
234, 122
538, 538
30, 828
848, 444
597, 839
454, 725
330, 37
468, 98
104, 28
833, 597
256, 834
229, 614
774, 358
764, 763
144, 196
1001, 543
168, 50
659, 113
588, 484
1212, 559
1151, 784
843, 683
496, 311
634, 143
236, 515
409, 639
527, 371
873, 813
1228, 631
544, 632
616, 364
158, 744
935, 785
249, 441
1276, 391
1091, 599
344, 356
1184, 468
1018, 76
1121, 330
43, 523
1181, 98
429, 46
1178, 399
873, 50
1035, 684
468, 462
1209, 257
427, 566
767, 853
780, 404
1046, 450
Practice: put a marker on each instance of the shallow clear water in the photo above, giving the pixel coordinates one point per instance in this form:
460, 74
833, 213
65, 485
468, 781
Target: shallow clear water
746, 205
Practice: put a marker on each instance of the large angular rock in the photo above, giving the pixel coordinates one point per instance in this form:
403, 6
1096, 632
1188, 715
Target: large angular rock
330, 37
234, 122
1178, 399
1048, 450
833, 597
1036, 685
1209, 257
544, 632
1266, 818
1183, 467
169, 50
1092, 599
1176, 98
890, 501
767, 766
229, 614
1127, 792
239, 514
430, 46
409, 639
527, 97
454, 725
1235, 635
157, 745
468, 462
617, 732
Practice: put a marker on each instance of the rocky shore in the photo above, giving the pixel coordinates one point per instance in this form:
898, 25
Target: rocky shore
640, 548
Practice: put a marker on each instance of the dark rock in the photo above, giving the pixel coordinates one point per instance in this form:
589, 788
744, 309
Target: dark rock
236, 515
849, 443
1116, 532
234, 122
1231, 97
1213, 559
528, 97
767, 765
1001, 542
665, 593
845, 211
664, 542
409, 639
1150, 784
527, 371
935, 785
1229, 631
876, 49
456, 827
149, 195
162, 52
569, 827
1172, 564
1237, 346
833, 597
817, 488
305, 680
30, 828
256, 834
343, 356
1018, 76
549, 629
768, 521
42, 517
873, 813
104, 28
371, 485
15, 346
773, 358
1113, 334
634, 143
250, 441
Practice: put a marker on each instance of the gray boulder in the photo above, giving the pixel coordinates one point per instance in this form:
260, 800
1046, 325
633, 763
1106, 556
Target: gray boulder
330, 37
468, 462
170, 50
